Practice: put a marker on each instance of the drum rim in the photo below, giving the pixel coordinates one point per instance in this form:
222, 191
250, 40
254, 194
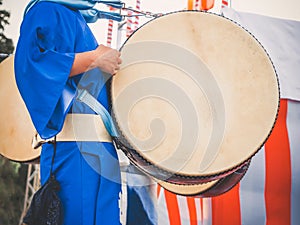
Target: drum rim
207, 192
171, 176
33, 160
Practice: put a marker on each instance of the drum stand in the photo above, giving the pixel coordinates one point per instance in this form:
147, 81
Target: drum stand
32, 185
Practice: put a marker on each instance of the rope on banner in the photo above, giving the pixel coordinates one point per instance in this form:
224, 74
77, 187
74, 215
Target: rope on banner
129, 23
109, 32
132, 19
138, 7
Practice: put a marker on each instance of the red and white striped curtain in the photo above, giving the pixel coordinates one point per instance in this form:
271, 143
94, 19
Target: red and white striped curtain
268, 194
200, 4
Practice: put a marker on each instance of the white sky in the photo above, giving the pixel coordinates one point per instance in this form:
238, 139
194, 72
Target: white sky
289, 9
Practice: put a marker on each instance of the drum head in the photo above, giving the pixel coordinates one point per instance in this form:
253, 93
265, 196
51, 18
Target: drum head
16, 131
196, 95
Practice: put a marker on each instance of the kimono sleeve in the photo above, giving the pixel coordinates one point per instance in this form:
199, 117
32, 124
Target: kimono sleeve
43, 60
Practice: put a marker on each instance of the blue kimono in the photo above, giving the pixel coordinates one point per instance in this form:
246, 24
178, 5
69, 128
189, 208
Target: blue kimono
88, 172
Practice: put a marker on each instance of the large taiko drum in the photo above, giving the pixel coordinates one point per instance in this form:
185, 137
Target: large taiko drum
16, 130
196, 97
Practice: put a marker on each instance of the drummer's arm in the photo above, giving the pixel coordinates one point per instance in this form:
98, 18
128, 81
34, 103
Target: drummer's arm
105, 58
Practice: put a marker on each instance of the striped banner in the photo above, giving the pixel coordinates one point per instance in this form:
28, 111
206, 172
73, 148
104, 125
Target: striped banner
207, 4
225, 3
109, 32
190, 4
200, 4
129, 23
197, 4
268, 194
137, 7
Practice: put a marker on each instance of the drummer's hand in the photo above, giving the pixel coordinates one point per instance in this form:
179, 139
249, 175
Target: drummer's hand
107, 59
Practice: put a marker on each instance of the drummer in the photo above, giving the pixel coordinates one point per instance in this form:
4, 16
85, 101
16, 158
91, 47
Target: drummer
54, 50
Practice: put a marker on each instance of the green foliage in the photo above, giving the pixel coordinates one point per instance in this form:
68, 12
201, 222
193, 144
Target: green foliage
4, 15
12, 175
12, 191
6, 44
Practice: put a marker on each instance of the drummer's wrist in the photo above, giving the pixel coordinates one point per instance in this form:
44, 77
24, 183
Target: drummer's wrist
83, 62
92, 58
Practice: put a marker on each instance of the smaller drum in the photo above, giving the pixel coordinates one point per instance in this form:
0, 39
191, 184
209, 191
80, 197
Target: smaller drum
209, 189
17, 130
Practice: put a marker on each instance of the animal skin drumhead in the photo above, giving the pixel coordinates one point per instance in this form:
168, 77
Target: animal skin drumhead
17, 130
196, 95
